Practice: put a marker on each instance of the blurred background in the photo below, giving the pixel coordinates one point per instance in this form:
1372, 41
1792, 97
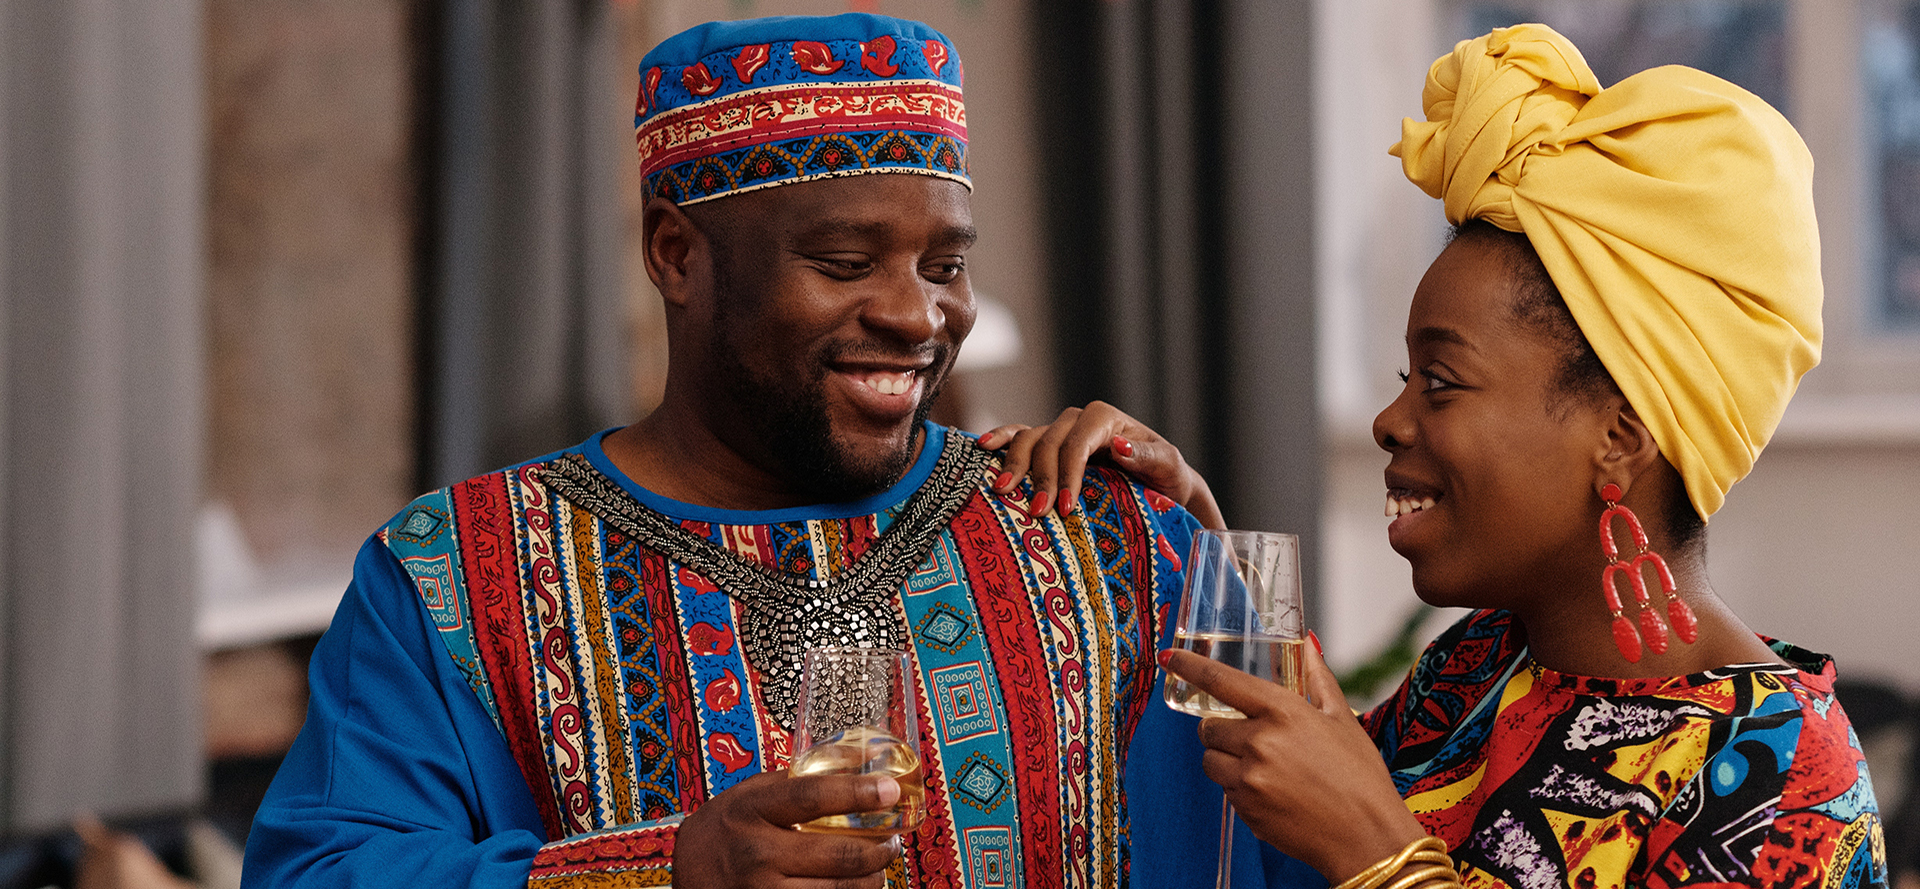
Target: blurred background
273, 267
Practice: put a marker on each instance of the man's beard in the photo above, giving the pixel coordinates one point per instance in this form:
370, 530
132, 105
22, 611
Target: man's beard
791, 422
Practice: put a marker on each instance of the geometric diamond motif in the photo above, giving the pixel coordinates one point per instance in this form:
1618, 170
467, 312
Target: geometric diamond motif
936, 572
422, 525
944, 628
980, 783
433, 579
989, 855
961, 701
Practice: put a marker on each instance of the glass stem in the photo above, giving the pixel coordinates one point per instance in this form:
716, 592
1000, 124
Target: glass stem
1225, 879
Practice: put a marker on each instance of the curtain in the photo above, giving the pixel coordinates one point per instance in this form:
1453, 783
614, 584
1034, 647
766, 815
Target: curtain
524, 338
101, 419
1178, 140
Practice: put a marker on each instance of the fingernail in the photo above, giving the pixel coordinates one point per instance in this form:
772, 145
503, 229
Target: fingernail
1065, 505
1122, 446
1315, 639
1040, 501
1001, 481
1164, 656
886, 790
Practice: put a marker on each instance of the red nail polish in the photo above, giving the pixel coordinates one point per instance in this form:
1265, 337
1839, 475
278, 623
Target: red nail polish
1001, 481
1122, 446
1164, 656
1315, 639
1065, 506
1040, 501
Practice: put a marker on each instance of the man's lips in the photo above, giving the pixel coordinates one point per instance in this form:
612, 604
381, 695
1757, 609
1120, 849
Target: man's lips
886, 393
885, 382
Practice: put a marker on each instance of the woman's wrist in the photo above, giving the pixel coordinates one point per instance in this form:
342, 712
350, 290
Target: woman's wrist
1356, 855
1421, 864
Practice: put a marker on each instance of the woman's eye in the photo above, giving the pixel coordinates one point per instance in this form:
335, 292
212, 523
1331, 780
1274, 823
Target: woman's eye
1434, 382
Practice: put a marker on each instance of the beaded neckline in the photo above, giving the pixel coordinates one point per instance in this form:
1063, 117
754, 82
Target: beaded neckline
786, 614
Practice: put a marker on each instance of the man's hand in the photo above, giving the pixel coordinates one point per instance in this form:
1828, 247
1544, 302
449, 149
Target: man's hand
745, 836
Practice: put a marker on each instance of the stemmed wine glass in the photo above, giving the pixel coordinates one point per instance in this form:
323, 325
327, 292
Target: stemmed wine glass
1241, 607
856, 717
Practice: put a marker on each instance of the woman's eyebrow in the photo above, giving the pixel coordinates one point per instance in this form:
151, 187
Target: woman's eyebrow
1426, 336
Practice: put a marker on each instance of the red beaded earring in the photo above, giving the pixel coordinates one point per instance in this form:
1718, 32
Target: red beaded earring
1652, 628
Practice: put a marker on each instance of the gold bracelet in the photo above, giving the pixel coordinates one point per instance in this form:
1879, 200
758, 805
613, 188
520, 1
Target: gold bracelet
1428, 852
1418, 876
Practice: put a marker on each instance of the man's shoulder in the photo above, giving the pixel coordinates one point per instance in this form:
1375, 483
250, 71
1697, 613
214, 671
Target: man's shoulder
425, 519
1128, 493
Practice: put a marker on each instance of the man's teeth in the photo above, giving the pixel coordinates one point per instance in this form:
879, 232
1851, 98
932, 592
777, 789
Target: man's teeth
1399, 506
890, 384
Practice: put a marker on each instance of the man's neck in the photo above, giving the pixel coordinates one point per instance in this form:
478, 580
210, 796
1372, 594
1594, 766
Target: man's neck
679, 457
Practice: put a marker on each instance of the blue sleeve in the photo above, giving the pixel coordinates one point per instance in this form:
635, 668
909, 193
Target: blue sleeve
399, 778
1173, 809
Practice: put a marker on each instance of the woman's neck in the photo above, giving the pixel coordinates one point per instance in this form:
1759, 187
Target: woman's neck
1572, 632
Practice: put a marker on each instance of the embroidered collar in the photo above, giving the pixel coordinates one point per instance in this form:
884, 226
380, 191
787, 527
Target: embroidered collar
786, 614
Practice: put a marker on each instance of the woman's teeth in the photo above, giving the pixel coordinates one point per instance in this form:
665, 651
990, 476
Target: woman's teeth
890, 384
1399, 506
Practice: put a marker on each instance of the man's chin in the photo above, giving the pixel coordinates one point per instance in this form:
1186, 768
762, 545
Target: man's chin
868, 462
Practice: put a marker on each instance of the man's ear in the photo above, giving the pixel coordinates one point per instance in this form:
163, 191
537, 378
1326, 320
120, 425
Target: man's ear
1629, 451
675, 251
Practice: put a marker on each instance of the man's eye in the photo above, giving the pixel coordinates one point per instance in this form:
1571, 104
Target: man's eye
844, 266
944, 272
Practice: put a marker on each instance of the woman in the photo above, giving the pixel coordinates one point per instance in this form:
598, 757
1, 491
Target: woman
1629, 299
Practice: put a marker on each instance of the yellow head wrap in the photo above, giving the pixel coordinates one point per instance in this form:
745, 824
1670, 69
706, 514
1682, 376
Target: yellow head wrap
1673, 210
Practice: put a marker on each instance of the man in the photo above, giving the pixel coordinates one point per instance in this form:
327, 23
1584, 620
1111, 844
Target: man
582, 669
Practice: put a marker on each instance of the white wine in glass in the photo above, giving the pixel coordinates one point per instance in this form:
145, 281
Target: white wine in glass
1277, 659
1241, 607
856, 717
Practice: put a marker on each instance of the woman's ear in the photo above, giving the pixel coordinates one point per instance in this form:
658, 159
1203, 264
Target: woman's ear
674, 247
1630, 450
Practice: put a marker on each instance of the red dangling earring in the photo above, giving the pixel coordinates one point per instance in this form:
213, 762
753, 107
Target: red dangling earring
1652, 628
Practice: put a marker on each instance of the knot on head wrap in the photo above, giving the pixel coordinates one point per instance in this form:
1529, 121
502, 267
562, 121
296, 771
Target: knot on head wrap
1674, 212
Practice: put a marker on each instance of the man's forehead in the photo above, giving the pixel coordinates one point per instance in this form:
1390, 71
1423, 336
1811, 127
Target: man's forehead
876, 205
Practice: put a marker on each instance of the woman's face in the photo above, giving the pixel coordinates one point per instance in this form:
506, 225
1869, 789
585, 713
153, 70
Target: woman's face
1492, 477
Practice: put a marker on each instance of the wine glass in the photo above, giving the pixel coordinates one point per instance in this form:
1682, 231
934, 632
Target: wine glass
1241, 607
856, 717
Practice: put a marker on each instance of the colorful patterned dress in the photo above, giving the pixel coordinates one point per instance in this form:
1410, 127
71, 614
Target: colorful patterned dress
539, 672
1743, 776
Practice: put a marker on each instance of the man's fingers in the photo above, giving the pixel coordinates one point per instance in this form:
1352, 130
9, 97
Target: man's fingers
795, 800
1250, 695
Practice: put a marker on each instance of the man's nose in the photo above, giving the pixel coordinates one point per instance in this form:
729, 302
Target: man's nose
906, 306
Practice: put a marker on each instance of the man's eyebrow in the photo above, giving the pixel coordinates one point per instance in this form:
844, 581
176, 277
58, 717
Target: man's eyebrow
843, 227
1426, 336
962, 235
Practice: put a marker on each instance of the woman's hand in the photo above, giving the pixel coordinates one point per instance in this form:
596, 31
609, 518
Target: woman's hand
1303, 775
1056, 455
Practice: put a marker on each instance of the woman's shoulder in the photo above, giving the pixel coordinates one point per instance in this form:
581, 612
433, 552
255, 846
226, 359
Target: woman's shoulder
1471, 648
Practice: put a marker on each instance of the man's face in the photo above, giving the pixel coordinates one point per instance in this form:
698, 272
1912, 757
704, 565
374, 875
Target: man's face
837, 308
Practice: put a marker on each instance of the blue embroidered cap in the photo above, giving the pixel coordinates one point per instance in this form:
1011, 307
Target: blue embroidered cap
728, 107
